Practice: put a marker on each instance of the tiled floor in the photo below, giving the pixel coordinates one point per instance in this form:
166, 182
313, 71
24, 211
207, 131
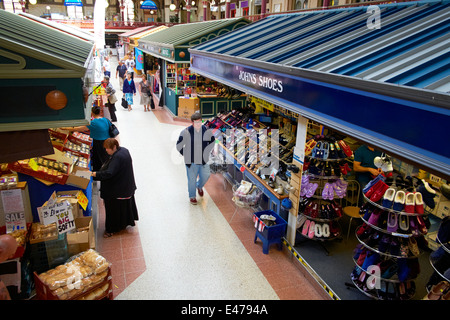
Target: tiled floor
135, 265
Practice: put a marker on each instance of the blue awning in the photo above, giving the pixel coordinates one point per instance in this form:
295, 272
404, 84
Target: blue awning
149, 5
388, 86
76, 3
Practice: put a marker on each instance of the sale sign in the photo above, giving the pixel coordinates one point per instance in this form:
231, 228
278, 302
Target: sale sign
59, 212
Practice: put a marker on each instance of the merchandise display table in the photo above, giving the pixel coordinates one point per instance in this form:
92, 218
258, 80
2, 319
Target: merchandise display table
39, 193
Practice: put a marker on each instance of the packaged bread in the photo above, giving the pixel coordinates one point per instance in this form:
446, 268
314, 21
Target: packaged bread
76, 276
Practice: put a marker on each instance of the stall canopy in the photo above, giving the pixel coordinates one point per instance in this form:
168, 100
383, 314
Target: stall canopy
380, 74
125, 37
42, 73
172, 44
134, 39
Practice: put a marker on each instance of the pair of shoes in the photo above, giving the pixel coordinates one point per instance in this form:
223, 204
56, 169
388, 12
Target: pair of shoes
193, 201
414, 202
309, 228
200, 192
376, 192
428, 194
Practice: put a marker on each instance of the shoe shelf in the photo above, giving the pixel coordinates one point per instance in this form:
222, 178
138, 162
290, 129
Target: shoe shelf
380, 220
389, 239
380, 206
386, 290
388, 245
322, 188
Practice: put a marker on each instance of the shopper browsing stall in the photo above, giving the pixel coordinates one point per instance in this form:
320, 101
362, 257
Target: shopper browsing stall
99, 132
195, 144
364, 165
117, 187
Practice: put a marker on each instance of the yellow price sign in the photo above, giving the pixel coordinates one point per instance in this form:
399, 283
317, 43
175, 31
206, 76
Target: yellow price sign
33, 164
82, 200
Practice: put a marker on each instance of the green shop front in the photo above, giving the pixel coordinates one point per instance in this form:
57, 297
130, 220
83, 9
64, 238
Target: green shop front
175, 81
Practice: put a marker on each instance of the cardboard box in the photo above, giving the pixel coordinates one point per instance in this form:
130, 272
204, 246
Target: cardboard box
75, 197
443, 209
79, 177
81, 241
186, 113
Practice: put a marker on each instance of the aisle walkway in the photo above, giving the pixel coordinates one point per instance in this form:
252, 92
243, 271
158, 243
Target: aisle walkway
181, 251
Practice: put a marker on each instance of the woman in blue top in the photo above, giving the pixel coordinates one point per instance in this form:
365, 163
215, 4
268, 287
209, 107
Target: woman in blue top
99, 132
129, 90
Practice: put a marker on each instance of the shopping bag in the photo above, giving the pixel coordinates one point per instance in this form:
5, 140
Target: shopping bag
124, 103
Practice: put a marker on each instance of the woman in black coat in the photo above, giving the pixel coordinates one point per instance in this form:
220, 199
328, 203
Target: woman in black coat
117, 188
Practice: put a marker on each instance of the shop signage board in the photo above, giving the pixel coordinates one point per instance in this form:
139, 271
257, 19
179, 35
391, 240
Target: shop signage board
395, 125
13, 209
59, 212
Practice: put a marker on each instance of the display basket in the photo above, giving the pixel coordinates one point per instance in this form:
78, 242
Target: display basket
26, 169
79, 137
275, 231
43, 292
217, 164
248, 199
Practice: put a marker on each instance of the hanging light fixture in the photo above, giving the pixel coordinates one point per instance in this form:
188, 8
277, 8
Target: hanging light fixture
172, 6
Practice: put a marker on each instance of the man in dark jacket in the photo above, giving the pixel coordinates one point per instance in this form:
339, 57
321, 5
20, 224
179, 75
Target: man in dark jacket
195, 144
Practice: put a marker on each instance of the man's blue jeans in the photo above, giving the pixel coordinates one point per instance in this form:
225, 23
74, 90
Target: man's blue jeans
194, 171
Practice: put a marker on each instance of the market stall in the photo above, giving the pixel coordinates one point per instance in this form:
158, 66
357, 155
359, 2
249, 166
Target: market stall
171, 45
47, 81
358, 84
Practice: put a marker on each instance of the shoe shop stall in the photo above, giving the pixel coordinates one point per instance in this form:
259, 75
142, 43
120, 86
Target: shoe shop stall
46, 75
354, 88
179, 90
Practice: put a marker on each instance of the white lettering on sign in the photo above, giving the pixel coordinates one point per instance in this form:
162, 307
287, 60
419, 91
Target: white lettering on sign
266, 82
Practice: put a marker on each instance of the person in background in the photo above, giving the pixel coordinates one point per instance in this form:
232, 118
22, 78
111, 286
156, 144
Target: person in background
106, 67
121, 72
364, 166
117, 188
144, 91
8, 247
195, 144
111, 104
99, 132
129, 90
129, 63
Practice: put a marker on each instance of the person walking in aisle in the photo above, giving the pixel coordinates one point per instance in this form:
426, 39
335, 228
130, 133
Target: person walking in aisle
195, 144
106, 67
117, 188
144, 91
129, 90
121, 72
129, 63
110, 94
99, 132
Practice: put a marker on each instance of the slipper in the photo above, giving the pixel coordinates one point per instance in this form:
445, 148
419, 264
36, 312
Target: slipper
312, 229
108, 235
306, 227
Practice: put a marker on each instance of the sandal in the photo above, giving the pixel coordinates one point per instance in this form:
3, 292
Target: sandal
108, 235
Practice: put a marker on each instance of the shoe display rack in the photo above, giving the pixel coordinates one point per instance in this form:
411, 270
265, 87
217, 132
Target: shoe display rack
322, 187
438, 286
386, 257
248, 144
